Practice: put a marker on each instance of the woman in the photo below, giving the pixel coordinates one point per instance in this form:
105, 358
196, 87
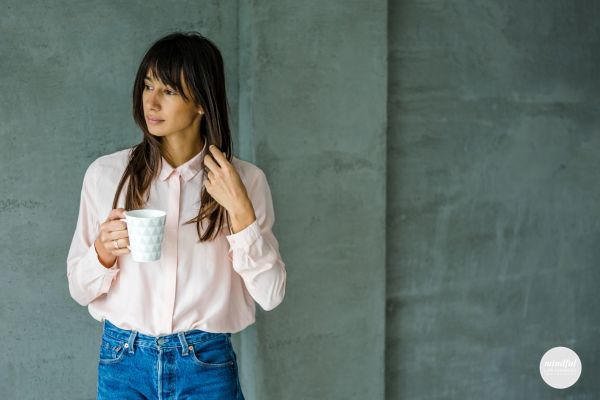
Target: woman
167, 324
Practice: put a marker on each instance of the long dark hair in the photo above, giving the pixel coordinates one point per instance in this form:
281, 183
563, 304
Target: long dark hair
202, 66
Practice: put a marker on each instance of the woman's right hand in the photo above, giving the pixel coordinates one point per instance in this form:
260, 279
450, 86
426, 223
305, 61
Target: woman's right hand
112, 230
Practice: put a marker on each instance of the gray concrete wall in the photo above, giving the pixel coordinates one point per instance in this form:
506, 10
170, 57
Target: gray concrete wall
314, 103
310, 79
66, 73
493, 229
434, 187
317, 113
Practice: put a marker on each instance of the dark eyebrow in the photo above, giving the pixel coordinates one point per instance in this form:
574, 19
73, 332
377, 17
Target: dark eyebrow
150, 79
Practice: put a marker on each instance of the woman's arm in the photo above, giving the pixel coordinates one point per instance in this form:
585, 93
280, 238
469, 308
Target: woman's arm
88, 277
255, 249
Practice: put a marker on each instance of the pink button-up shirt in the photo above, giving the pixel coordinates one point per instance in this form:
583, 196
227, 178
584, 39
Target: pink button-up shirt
210, 286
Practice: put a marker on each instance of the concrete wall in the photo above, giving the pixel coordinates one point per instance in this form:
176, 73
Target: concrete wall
493, 208
66, 74
311, 83
314, 103
433, 169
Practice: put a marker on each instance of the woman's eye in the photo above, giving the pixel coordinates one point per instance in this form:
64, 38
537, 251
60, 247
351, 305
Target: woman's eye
170, 92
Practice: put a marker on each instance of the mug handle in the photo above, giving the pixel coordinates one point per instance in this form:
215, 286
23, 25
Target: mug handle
124, 220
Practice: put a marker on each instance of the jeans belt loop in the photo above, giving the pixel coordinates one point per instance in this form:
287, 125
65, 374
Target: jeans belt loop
184, 344
131, 340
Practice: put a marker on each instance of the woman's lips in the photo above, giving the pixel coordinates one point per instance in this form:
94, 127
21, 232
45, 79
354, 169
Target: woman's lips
154, 121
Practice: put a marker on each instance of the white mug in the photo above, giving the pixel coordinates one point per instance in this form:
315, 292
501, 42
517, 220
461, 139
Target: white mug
146, 229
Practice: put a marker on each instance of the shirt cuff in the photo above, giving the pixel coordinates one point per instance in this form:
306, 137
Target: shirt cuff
244, 238
108, 273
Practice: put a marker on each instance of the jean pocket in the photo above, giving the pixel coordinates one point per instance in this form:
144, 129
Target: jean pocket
213, 353
111, 350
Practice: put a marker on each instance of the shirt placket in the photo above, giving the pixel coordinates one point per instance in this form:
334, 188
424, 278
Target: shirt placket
171, 244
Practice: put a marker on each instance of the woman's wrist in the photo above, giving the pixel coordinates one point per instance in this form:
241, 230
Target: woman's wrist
107, 260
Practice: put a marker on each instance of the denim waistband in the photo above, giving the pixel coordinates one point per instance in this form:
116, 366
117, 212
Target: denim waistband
182, 339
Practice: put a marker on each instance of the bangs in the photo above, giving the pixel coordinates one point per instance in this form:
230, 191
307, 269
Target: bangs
166, 66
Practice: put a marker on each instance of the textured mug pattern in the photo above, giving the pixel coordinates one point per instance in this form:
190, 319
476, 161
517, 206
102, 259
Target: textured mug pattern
145, 237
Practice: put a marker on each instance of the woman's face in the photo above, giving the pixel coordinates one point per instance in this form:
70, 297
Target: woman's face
173, 114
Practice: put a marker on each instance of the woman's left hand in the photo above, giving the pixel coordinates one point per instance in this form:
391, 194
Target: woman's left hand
224, 183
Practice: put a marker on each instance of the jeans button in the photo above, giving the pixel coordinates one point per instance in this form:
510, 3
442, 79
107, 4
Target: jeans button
160, 341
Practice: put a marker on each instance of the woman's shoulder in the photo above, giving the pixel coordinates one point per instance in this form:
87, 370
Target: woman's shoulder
114, 162
108, 167
247, 170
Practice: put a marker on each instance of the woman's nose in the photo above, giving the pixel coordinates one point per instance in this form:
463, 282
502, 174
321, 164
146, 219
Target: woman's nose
152, 101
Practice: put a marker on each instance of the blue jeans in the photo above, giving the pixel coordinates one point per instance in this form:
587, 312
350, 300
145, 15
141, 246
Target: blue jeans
185, 365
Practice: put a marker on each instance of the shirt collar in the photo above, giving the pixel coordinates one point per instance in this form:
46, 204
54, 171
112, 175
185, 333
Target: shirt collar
187, 170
